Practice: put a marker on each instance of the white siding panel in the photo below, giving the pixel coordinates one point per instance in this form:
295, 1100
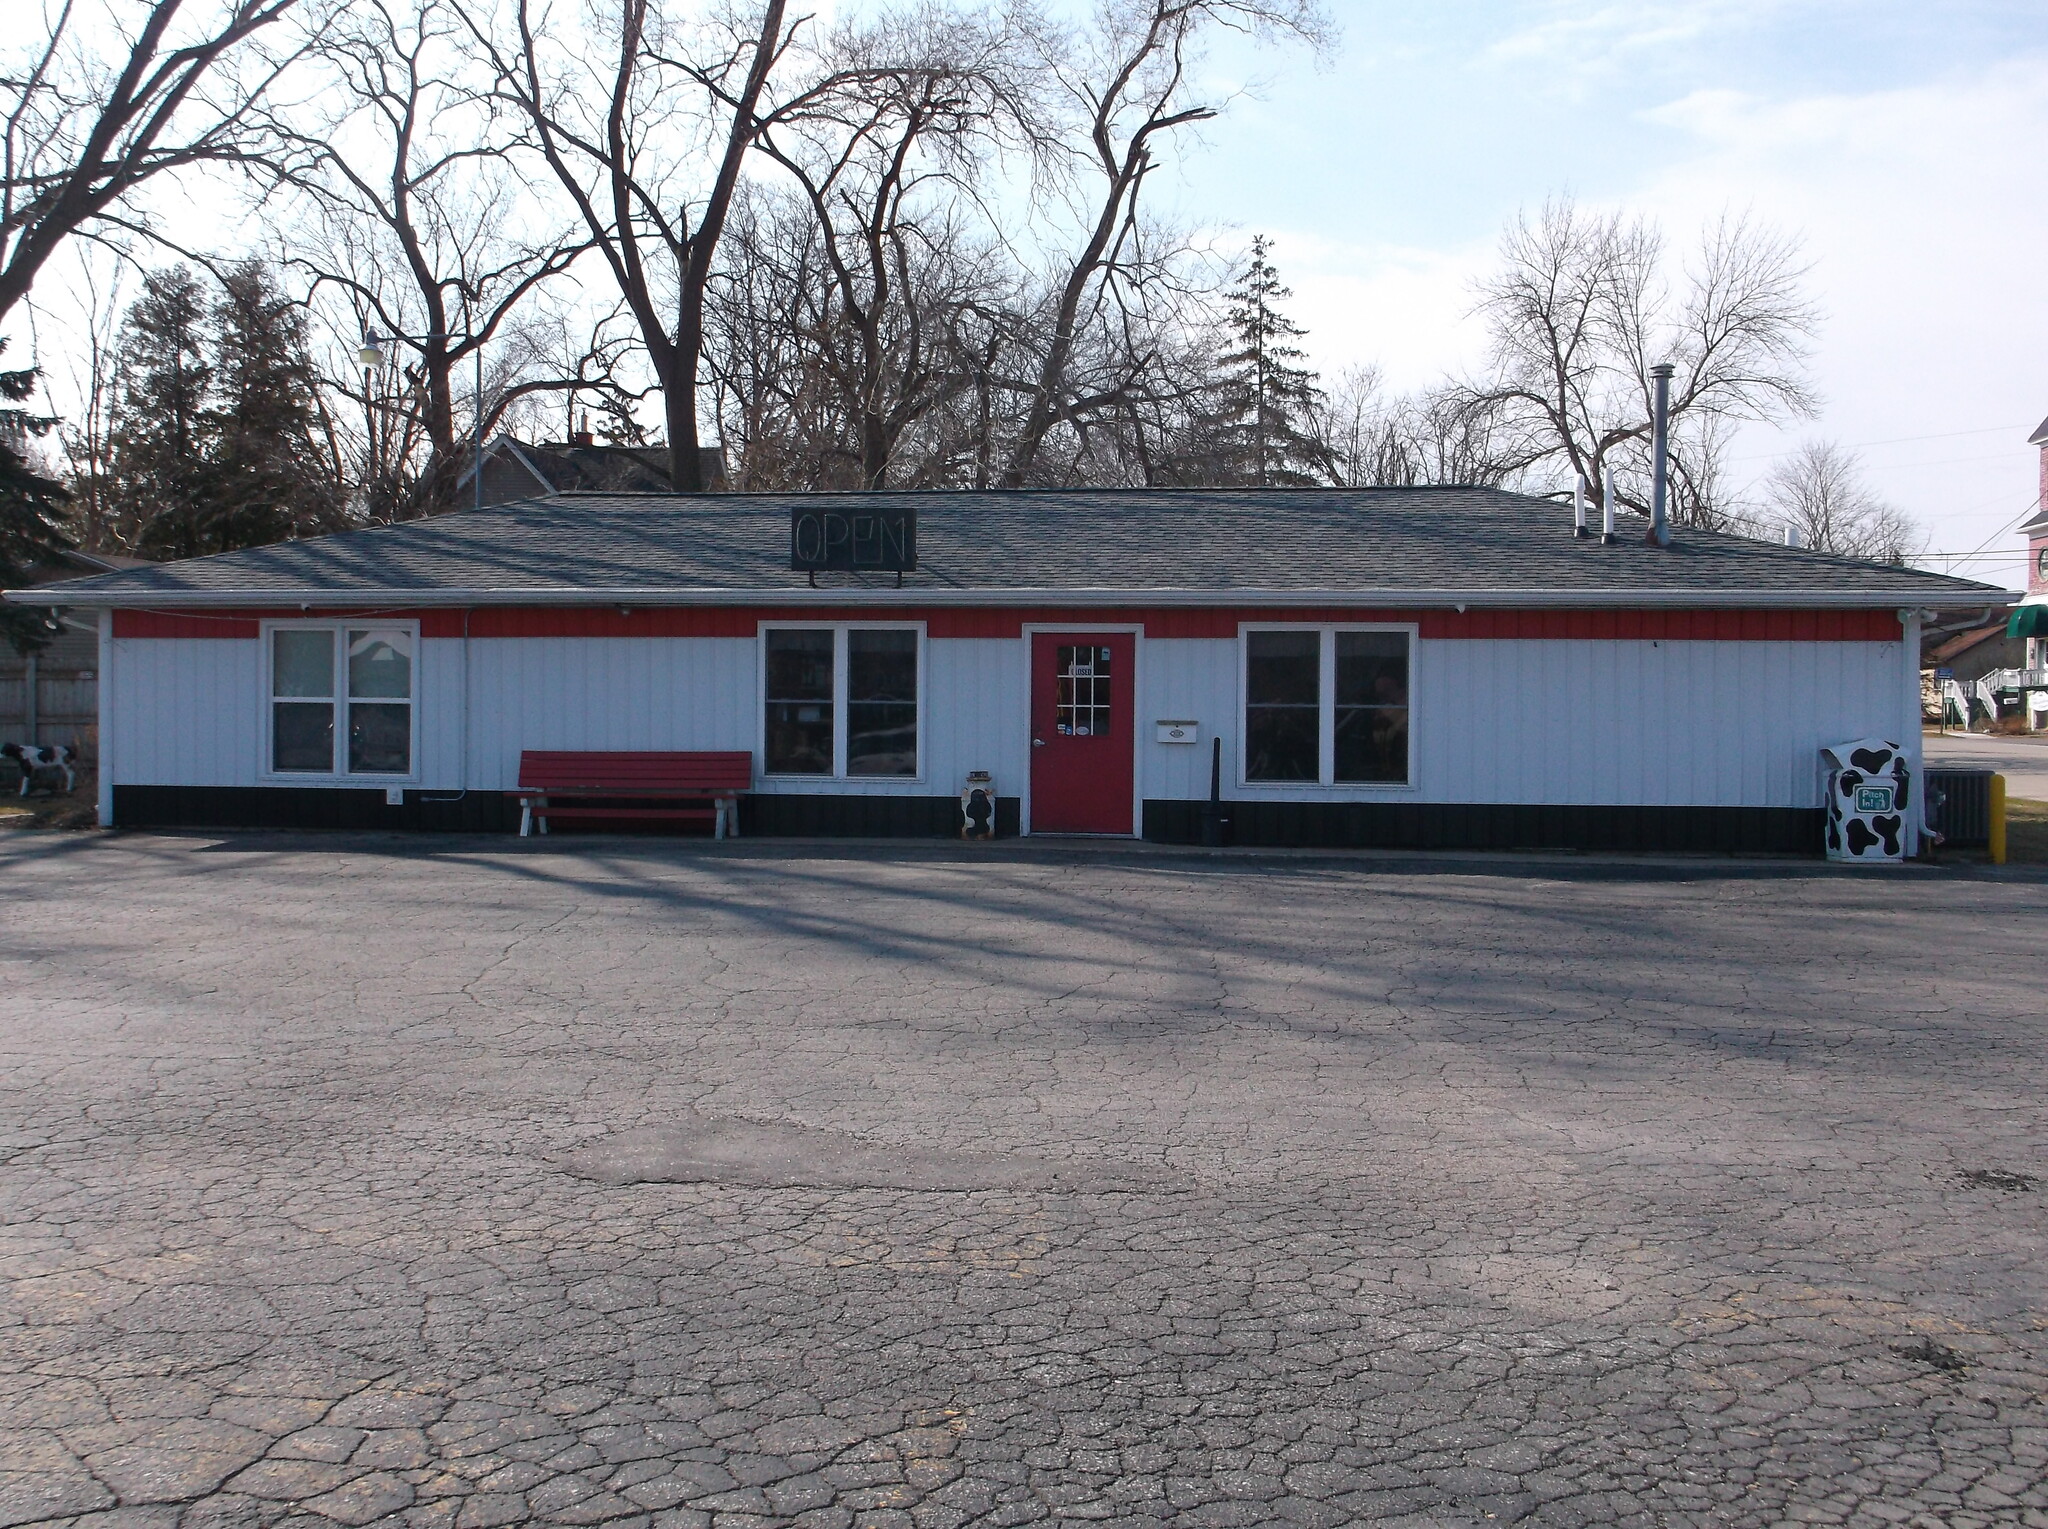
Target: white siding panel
1643, 723
189, 711
977, 716
1569, 722
1191, 679
437, 695
605, 693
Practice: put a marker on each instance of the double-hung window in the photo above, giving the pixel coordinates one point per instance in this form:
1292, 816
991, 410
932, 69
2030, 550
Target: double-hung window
341, 699
1327, 706
841, 700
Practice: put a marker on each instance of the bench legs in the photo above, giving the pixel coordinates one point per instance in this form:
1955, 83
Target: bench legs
526, 807
725, 816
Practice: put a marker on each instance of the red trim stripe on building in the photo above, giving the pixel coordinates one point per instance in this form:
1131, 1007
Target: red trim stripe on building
1008, 622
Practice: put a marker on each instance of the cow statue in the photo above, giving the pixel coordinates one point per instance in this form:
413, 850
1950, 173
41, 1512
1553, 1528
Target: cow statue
36, 759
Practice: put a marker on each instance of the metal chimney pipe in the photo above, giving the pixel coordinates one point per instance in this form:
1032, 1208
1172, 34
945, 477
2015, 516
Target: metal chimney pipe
1792, 537
1579, 509
1607, 510
1660, 469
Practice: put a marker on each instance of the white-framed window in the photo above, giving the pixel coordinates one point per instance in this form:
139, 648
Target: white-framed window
842, 700
1327, 705
341, 699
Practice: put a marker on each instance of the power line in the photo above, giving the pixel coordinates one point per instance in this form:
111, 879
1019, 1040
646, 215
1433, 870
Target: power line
1896, 440
2004, 530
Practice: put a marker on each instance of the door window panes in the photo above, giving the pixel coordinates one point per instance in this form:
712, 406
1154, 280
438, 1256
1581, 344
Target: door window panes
1372, 707
881, 702
799, 683
1082, 706
380, 702
302, 700
1282, 715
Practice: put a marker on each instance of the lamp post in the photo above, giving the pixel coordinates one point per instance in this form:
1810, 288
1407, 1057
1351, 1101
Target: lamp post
373, 358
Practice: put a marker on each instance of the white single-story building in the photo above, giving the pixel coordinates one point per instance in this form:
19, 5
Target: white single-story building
1401, 667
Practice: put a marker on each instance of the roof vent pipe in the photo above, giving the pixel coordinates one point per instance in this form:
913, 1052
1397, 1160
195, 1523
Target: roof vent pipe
1579, 509
1792, 536
1660, 467
1607, 510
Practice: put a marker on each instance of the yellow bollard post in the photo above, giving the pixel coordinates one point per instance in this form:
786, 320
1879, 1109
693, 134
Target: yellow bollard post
1998, 820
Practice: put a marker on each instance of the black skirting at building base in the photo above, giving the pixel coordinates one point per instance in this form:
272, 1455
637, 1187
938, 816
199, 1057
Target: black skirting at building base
877, 817
1307, 825
1491, 825
312, 807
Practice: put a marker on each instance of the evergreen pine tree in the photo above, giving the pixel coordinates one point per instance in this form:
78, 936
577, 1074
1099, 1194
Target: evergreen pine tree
268, 480
215, 442
32, 513
161, 436
1260, 425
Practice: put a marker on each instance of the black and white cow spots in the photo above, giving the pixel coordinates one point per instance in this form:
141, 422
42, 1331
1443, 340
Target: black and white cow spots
1864, 836
35, 759
1869, 787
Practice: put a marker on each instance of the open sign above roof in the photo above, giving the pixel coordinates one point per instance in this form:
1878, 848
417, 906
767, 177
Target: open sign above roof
852, 541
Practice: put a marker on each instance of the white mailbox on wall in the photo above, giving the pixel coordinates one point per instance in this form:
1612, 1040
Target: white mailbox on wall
1179, 732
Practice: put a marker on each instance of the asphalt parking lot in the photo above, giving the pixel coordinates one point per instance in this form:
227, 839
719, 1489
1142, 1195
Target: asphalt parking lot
444, 1183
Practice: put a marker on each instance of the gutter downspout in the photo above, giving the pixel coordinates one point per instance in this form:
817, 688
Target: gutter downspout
105, 764
1916, 749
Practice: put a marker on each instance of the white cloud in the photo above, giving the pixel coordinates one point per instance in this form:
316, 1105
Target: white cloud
1919, 209
1583, 40
1405, 310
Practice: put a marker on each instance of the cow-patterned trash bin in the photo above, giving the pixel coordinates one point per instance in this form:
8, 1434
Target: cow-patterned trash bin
978, 806
1869, 798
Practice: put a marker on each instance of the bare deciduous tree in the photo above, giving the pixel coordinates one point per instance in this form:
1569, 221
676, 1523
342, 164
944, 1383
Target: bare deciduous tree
616, 132
1583, 307
1128, 80
94, 112
87, 433
412, 215
882, 151
1435, 436
1819, 492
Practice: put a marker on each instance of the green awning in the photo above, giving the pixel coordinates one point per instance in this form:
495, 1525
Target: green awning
2028, 621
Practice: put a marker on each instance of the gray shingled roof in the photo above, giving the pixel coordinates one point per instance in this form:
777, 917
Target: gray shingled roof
1432, 545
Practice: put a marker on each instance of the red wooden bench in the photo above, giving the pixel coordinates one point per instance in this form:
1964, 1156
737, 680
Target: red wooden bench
689, 787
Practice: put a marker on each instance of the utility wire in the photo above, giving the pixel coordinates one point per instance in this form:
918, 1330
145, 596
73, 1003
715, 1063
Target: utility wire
1896, 440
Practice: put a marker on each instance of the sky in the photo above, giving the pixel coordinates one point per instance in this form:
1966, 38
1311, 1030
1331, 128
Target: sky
1898, 141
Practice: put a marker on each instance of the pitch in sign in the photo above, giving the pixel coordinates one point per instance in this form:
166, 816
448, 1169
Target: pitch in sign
853, 541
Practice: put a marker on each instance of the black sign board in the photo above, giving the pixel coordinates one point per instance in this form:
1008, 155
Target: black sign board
853, 541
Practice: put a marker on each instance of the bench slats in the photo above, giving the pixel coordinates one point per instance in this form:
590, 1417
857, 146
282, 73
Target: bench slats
562, 770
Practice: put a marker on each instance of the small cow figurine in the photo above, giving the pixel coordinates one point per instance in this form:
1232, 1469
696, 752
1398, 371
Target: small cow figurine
34, 758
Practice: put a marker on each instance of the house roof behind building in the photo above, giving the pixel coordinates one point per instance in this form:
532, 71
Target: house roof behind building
564, 467
1962, 642
1413, 546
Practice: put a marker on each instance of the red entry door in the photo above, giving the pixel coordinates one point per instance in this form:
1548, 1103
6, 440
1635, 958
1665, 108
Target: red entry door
1082, 743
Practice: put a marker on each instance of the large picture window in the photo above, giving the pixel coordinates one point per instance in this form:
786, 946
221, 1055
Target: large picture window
840, 701
341, 700
800, 729
1326, 706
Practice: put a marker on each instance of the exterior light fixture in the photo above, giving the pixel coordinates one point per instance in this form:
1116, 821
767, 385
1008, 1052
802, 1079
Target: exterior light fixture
372, 353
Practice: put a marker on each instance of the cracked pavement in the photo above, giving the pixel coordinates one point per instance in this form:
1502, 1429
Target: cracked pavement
1337, 1192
